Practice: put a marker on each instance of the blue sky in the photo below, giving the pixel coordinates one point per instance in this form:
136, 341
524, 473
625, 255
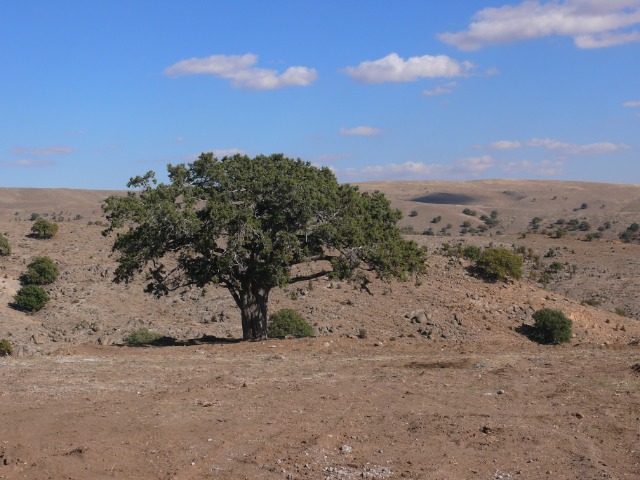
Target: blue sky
95, 92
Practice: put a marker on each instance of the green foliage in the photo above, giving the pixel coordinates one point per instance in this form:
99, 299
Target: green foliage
472, 252
5, 347
43, 228
555, 267
244, 222
620, 311
289, 322
437, 219
499, 264
414, 213
34, 217
5, 248
631, 234
30, 298
40, 271
142, 336
551, 326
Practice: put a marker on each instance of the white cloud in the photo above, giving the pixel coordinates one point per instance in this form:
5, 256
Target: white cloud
633, 104
545, 168
394, 68
42, 151
241, 70
504, 145
179, 139
461, 169
574, 149
28, 163
440, 90
362, 131
591, 23
227, 152
474, 165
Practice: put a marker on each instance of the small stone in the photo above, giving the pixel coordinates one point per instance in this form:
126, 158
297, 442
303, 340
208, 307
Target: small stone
579, 416
501, 392
346, 449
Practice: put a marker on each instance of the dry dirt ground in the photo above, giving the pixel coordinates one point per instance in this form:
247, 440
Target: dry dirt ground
464, 394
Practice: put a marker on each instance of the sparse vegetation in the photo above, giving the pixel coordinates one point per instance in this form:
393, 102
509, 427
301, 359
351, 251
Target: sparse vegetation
551, 326
499, 264
468, 211
6, 348
5, 248
30, 298
41, 271
437, 219
472, 252
142, 336
44, 229
413, 213
287, 322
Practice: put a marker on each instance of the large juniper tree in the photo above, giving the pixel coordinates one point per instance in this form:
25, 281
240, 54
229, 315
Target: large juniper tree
243, 223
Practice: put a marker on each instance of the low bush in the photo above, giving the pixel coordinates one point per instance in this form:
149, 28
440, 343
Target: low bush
30, 298
42, 228
288, 322
40, 271
551, 326
5, 347
142, 336
5, 248
499, 264
472, 252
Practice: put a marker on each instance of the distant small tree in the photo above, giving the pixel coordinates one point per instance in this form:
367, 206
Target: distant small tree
414, 213
41, 270
551, 326
5, 248
5, 347
43, 228
30, 298
436, 219
499, 264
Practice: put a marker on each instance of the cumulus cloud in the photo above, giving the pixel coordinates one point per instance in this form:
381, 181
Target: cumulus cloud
362, 131
560, 146
242, 72
504, 145
574, 149
475, 165
228, 152
42, 151
28, 163
545, 168
394, 68
591, 23
440, 90
632, 104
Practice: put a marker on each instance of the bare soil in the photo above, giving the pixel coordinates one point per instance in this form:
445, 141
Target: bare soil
463, 394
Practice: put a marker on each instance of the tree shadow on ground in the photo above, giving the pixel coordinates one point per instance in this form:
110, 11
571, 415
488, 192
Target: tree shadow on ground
204, 340
528, 331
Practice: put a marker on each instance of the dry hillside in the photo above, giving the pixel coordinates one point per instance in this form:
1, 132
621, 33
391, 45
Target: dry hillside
427, 379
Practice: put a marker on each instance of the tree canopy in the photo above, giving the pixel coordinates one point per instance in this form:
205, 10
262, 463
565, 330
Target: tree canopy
244, 222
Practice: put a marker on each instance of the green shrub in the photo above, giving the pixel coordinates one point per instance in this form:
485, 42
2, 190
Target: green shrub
5, 248
498, 264
436, 219
288, 322
414, 213
40, 271
142, 336
42, 228
30, 298
5, 347
472, 252
551, 326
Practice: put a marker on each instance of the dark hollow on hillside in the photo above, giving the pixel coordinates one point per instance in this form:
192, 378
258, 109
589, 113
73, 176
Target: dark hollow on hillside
443, 198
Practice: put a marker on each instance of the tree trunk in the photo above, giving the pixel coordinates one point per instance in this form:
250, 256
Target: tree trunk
253, 308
